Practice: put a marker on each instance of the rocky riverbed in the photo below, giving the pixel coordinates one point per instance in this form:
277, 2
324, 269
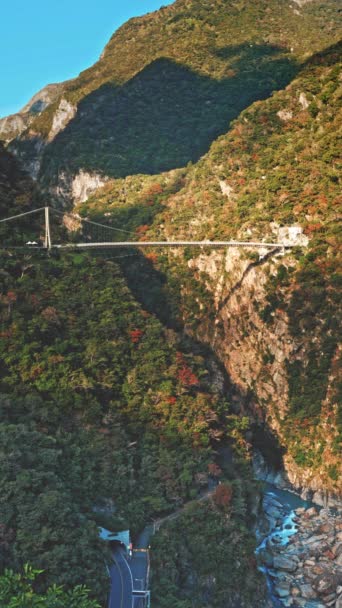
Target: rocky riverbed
301, 553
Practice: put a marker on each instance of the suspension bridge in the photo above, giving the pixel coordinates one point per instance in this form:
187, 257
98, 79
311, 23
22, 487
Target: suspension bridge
72, 231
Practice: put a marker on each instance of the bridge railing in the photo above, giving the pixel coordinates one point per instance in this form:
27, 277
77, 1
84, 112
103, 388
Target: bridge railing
75, 228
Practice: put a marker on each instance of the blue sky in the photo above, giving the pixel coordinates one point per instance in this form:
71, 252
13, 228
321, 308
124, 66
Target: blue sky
45, 41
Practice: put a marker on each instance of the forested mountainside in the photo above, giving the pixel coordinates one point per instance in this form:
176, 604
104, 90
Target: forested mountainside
206, 119
17, 190
110, 418
274, 323
168, 84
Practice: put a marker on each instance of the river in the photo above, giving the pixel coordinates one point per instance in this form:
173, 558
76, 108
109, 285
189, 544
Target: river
279, 508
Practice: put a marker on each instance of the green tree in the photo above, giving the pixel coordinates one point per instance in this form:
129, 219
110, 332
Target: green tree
17, 591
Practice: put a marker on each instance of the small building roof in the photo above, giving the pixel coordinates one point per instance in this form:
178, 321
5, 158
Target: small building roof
122, 537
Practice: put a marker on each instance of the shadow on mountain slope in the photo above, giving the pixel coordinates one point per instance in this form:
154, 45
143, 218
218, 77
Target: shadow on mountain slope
166, 116
162, 298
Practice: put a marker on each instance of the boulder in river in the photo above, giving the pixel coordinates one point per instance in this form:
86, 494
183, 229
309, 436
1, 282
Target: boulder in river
327, 583
307, 592
282, 589
281, 562
310, 513
303, 557
337, 549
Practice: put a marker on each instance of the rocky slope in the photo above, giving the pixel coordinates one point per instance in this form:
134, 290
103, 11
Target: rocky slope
276, 319
13, 125
303, 556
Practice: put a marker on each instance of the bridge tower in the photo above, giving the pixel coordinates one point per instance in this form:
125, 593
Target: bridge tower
47, 240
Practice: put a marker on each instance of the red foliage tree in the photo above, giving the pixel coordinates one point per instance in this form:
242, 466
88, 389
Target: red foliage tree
311, 228
155, 189
322, 200
135, 335
141, 232
179, 358
223, 495
142, 229
153, 257
6, 334
185, 374
34, 300
187, 377
11, 296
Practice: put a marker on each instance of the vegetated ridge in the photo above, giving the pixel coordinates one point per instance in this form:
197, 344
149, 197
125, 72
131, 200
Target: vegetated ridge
108, 418
167, 85
274, 323
192, 82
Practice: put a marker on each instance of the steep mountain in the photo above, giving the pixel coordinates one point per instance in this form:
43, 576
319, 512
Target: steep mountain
210, 119
272, 320
277, 322
167, 85
108, 418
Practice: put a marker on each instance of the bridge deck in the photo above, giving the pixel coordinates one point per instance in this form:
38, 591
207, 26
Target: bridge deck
119, 244
144, 244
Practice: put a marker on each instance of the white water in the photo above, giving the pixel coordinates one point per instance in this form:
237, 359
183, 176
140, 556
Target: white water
281, 534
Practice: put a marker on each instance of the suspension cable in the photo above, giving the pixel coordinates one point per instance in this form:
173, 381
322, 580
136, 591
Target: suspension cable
7, 219
78, 217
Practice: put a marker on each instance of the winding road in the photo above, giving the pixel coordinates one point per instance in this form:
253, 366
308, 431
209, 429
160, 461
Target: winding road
127, 575
121, 592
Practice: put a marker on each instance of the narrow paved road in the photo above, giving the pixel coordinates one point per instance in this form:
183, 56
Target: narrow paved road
129, 574
139, 563
121, 591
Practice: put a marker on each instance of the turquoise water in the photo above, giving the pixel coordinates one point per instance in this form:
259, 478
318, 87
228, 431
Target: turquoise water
281, 534
288, 499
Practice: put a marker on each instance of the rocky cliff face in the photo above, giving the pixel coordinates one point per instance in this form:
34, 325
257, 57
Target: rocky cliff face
257, 355
12, 126
273, 320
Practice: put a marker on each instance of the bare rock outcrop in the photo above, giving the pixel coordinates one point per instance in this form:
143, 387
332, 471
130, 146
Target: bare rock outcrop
84, 184
256, 352
63, 115
14, 125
